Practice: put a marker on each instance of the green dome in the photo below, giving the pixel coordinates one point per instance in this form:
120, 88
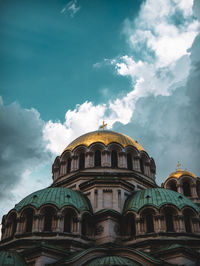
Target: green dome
8, 258
158, 197
57, 196
113, 260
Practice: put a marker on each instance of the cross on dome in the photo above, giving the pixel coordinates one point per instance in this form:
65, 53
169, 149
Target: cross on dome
104, 125
179, 166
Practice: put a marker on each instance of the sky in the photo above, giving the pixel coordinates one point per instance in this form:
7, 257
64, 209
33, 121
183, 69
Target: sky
65, 66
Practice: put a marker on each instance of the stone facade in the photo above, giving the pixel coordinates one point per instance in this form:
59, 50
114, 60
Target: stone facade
104, 201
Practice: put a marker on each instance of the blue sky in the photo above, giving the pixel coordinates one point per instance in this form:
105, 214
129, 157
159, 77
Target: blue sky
68, 65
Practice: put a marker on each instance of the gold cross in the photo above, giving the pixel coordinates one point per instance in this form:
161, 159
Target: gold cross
179, 166
104, 125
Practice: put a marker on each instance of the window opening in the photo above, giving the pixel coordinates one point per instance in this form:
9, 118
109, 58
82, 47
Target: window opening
129, 162
29, 221
169, 222
141, 166
186, 188
69, 165
48, 220
67, 223
187, 223
97, 158
149, 223
114, 159
82, 161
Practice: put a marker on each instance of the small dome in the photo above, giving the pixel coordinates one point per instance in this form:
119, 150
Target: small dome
106, 137
113, 260
9, 258
57, 196
158, 197
179, 173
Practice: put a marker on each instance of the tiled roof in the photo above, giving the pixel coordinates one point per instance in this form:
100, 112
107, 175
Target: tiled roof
57, 196
158, 197
11, 259
113, 260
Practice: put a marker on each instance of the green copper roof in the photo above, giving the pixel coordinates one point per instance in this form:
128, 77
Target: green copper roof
113, 260
158, 197
57, 196
8, 258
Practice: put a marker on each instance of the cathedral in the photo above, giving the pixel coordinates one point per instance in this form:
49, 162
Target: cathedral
105, 208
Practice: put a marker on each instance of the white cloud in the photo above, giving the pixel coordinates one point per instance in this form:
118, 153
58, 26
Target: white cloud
84, 118
164, 63
23, 154
72, 7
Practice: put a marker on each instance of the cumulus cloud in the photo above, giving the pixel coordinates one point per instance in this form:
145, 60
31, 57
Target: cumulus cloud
161, 109
84, 118
72, 8
23, 151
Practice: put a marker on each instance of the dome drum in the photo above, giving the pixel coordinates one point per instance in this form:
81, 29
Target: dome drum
91, 155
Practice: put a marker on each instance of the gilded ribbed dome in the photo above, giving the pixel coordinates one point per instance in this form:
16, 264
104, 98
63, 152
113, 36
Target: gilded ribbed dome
180, 172
106, 137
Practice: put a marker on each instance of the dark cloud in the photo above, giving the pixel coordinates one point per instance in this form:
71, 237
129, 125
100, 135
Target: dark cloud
169, 126
22, 146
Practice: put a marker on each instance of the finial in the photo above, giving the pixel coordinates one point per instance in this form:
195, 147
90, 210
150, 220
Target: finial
178, 166
104, 125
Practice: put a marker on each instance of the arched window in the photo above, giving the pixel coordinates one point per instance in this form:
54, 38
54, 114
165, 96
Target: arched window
172, 186
29, 220
129, 162
48, 216
187, 222
69, 160
130, 226
67, 222
169, 221
198, 188
188, 214
186, 188
114, 159
141, 166
87, 225
82, 161
149, 223
70, 221
84, 226
13, 219
97, 158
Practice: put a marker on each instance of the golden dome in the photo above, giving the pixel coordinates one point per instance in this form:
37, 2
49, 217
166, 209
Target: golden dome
180, 172
106, 137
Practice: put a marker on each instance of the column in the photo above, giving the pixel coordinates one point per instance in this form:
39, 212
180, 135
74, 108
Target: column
40, 222
122, 160
106, 159
36, 218
59, 222
63, 168
19, 225
195, 225
147, 168
136, 163
74, 163
194, 191
89, 159
181, 224
160, 223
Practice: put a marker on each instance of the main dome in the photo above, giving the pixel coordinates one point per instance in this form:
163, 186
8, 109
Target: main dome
106, 137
